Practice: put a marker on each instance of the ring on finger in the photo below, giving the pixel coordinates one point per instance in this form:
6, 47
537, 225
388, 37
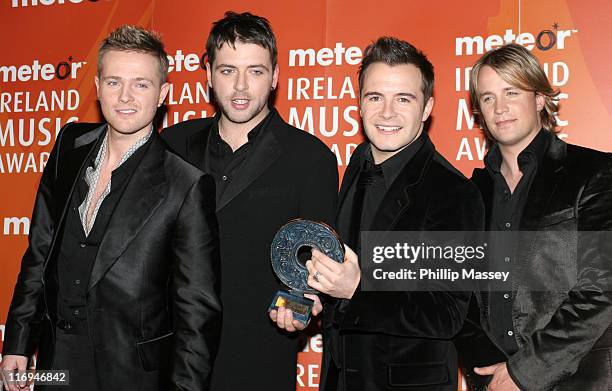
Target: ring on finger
316, 276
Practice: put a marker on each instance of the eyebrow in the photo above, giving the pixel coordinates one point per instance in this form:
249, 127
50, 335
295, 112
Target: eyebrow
403, 94
505, 89
121, 78
249, 67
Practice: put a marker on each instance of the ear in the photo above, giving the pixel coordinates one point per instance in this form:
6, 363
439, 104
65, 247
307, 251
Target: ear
163, 92
427, 109
208, 75
540, 102
97, 81
275, 77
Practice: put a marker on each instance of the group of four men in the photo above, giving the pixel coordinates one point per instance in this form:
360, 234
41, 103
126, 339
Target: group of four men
145, 271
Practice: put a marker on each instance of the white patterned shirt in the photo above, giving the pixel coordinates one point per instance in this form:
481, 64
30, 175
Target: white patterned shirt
92, 175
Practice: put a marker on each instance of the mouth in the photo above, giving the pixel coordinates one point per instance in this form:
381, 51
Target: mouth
240, 103
388, 128
125, 111
503, 123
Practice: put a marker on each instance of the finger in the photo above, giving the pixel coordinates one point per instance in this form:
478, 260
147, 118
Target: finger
316, 284
21, 366
325, 270
317, 307
485, 370
280, 318
288, 319
299, 325
349, 255
330, 264
273, 315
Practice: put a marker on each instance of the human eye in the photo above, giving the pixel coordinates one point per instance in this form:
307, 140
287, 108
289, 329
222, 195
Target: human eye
142, 85
403, 99
486, 99
512, 93
226, 71
112, 82
374, 98
257, 72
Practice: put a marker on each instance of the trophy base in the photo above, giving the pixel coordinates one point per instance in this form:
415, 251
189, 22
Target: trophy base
298, 304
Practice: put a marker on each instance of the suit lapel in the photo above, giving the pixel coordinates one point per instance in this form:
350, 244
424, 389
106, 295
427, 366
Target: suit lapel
401, 194
544, 185
265, 151
142, 196
72, 162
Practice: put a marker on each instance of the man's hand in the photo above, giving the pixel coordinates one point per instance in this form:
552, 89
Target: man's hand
10, 363
501, 380
284, 317
338, 280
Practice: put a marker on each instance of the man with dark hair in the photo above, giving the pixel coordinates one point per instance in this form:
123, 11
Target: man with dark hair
119, 284
554, 322
396, 181
267, 173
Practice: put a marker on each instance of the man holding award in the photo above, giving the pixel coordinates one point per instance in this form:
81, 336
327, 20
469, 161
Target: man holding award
267, 173
395, 182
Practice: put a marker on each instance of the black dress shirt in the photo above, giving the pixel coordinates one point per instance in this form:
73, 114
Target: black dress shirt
225, 163
78, 251
506, 213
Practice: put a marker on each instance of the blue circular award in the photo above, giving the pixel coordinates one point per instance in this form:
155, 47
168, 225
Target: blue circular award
294, 238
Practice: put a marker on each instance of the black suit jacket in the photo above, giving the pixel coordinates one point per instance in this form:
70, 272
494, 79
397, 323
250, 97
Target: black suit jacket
288, 174
152, 301
563, 331
401, 340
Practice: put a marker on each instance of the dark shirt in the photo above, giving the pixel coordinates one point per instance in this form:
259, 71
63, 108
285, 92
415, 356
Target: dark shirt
78, 251
224, 163
383, 176
507, 209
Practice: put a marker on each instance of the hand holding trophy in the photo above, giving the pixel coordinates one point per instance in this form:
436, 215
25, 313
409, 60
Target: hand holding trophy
291, 240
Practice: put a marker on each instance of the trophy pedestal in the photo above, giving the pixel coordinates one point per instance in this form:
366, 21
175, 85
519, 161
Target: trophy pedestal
296, 302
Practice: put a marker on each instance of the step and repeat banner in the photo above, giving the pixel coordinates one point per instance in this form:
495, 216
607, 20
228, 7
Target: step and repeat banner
48, 63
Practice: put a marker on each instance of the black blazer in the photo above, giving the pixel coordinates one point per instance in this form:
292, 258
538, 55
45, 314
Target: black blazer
563, 332
288, 174
152, 301
401, 340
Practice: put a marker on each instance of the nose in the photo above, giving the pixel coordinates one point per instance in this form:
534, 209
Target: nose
388, 110
125, 95
500, 105
240, 84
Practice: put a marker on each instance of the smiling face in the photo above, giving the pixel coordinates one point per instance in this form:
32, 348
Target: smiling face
393, 108
512, 115
242, 79
129, 89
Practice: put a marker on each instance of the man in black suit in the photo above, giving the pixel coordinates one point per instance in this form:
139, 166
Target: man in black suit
119, 284
395, 182
554, 322
267, 173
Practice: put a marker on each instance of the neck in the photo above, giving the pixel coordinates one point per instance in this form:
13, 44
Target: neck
119, 143
236, 134
510, 153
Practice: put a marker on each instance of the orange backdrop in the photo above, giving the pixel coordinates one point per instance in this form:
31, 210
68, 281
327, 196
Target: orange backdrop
49, 61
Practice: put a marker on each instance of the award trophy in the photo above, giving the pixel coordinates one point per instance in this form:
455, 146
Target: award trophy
294, 237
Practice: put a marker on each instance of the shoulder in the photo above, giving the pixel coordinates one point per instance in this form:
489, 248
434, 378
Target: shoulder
453, 181
177, 135
301, 144
74, 130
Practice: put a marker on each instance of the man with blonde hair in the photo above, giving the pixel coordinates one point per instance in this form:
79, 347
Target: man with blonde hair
119, 284
553, 321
